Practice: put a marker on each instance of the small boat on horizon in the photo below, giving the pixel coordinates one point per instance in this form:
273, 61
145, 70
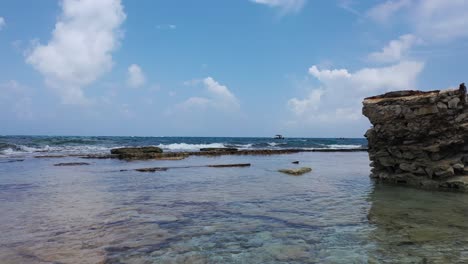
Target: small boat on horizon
278, 137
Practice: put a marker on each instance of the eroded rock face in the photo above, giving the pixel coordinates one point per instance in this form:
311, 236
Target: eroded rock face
419, 138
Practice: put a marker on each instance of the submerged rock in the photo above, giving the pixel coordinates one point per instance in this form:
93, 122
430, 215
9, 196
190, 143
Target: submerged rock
72, 164
229, 165
50, 156
11, 161
193, 166
152, 169
419, 138
296, 172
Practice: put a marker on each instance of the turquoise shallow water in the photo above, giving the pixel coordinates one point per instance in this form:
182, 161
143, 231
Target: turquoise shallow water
335, 214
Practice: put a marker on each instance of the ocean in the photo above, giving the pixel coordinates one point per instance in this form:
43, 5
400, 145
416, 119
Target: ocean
34, 145
106, 212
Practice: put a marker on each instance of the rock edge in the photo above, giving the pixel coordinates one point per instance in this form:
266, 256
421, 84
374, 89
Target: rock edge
419, 138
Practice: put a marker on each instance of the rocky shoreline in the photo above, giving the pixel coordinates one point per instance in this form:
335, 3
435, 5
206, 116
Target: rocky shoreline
419, 138
144, 153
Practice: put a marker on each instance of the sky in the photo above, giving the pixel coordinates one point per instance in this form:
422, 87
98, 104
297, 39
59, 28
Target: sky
300, 68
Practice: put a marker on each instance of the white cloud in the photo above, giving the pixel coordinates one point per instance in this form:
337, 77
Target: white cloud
312, 101
220, 94
218, 97
2, 23
338, 98
194, 102
136, 77
384, 11
286, 6
341, 92
433, 20
396, 50
442, 20
328, 74
80, 50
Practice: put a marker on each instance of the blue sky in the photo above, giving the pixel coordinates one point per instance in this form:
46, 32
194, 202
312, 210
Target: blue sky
219, 68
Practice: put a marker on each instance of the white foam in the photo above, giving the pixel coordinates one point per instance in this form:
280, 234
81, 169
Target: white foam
336, 146
26, 150
191, 147
245, 146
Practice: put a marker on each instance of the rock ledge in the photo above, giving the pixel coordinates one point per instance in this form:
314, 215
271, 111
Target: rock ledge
419, 138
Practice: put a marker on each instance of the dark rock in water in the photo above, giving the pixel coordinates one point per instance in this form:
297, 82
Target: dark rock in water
138, 150
419, 138
50, 156
219, 149
195, 166
137, 153
152, 169
229, 165
11, 161
295, 162
296, 172
99, 156
72, 164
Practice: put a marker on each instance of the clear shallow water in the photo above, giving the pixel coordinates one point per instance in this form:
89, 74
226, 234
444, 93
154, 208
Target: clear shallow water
17, 146
98, 214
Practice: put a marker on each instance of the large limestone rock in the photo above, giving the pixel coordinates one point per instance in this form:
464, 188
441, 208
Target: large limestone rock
419, 138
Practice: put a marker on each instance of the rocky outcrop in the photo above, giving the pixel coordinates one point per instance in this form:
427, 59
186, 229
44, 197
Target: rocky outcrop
144, 153
296, 172
419, 138
137, 153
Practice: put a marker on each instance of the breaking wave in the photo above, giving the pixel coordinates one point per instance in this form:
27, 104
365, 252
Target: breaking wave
50, 145
189, 147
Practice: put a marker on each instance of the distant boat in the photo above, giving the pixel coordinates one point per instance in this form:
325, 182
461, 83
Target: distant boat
278, 137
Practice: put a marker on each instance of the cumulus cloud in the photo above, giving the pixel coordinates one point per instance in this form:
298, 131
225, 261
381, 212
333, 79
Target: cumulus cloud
218, 97
80, 50
301, 106
136, 77
396, 50
341, 91
286, 6
430, 19
220, 94
328, 74
2, 23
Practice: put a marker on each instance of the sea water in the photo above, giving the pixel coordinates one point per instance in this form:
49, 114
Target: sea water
33, 145
107, 213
